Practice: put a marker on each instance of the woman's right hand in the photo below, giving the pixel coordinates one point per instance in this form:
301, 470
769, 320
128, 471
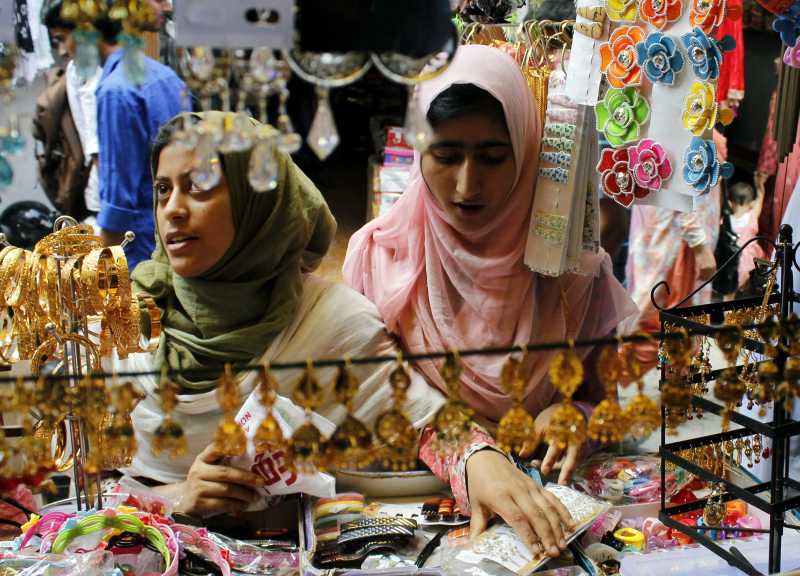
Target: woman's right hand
212, 488
496, 486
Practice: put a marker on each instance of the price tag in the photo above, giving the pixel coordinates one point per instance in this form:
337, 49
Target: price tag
7, 21
234, 23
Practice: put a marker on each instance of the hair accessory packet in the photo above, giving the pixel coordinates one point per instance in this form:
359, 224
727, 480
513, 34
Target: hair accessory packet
97, 563
274, 557
279, 476
501, 545
628, 480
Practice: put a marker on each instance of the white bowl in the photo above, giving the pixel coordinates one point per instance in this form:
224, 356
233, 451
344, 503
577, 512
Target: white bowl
386, 484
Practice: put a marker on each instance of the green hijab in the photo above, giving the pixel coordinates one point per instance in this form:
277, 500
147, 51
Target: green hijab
235, 310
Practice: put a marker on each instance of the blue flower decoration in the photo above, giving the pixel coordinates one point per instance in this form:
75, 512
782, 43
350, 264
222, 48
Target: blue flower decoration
659, 57
701, 169
788, 25
705, 53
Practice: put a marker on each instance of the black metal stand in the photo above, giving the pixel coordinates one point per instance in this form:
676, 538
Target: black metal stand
783, 492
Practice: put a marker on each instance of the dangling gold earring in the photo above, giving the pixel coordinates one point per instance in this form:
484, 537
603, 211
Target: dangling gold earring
608, 422
453, 422
676, 395
307, 442
230, 439
393, 428
169, 435
568, 425
643, 415
730, 387
517, 425
350, 445
269, 436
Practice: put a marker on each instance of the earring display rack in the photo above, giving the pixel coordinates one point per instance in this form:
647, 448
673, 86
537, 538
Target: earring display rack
781, 493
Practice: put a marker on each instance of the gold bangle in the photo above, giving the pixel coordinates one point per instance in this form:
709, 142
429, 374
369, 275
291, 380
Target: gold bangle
9, 264
95, 281
49, 347
70, 241
154, 315
19, 290
123, 287
71, 289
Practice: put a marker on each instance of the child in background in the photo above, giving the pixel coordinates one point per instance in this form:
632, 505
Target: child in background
745, 204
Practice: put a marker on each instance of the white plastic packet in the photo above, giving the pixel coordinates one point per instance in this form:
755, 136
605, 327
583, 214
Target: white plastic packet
279, 479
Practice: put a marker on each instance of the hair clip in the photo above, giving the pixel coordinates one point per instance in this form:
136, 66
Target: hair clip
618, 56
622, 10
616, 179
621, 114
558, 158
593, 13
649, 164
659, 13
705, 53
561, 115
659, 57
560, 130
560, 144
709, 14
593, 30
558, 175
552, 227
701, 111
701, 168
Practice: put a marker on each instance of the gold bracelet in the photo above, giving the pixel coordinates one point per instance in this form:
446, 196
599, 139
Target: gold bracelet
49, 348
154, 315
70, 241
19, 280
9, 264
72, 296
123, 286
95, 281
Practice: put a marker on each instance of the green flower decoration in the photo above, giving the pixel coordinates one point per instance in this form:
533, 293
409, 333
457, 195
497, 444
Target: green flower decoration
621, 114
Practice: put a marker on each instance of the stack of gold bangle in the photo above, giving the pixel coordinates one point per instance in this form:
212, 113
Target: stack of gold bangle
70, 279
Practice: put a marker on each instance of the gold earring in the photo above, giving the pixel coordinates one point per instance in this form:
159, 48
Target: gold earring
608, 422
169, 435
350, 445
230, 439
269, 436
306, 444
568, 425
452, 424
516, 427
393, 427
643, 415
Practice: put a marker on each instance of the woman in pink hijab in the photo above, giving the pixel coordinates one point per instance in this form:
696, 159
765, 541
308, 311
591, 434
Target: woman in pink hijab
446, 269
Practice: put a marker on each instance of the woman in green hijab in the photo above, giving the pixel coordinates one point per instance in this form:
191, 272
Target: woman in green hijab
231, 273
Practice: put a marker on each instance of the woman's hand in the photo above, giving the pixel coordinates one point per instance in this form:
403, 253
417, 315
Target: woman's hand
705, 262
211, 488
496, 486
555, 458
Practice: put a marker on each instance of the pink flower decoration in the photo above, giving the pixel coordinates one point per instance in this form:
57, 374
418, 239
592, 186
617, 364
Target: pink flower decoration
616, 177
649, 164
792, 56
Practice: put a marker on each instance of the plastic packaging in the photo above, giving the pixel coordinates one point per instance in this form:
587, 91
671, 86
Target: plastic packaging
628, 480
98, 563
134, 493
245, 558
279, 478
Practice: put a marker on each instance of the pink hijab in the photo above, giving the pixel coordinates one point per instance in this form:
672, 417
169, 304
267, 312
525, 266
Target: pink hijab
441, 286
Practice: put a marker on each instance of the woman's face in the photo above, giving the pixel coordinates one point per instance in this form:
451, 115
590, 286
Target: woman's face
196, 227
470, 167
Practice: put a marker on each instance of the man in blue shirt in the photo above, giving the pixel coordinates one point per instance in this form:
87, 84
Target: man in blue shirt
128, 119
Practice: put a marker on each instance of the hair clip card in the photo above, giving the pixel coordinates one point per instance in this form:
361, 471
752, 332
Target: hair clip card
583, 71
235, 23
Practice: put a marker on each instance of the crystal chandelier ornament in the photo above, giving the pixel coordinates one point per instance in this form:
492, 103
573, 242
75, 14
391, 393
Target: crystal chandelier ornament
326, 70
412, 71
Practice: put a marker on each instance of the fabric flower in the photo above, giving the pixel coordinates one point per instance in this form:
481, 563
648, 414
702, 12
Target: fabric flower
788, 25
616, 179
659, 13
701, 111
709, 14
620, 114
649, 164
792, 56
705, 53
618, 57
621, 10
660, 58
701, 168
